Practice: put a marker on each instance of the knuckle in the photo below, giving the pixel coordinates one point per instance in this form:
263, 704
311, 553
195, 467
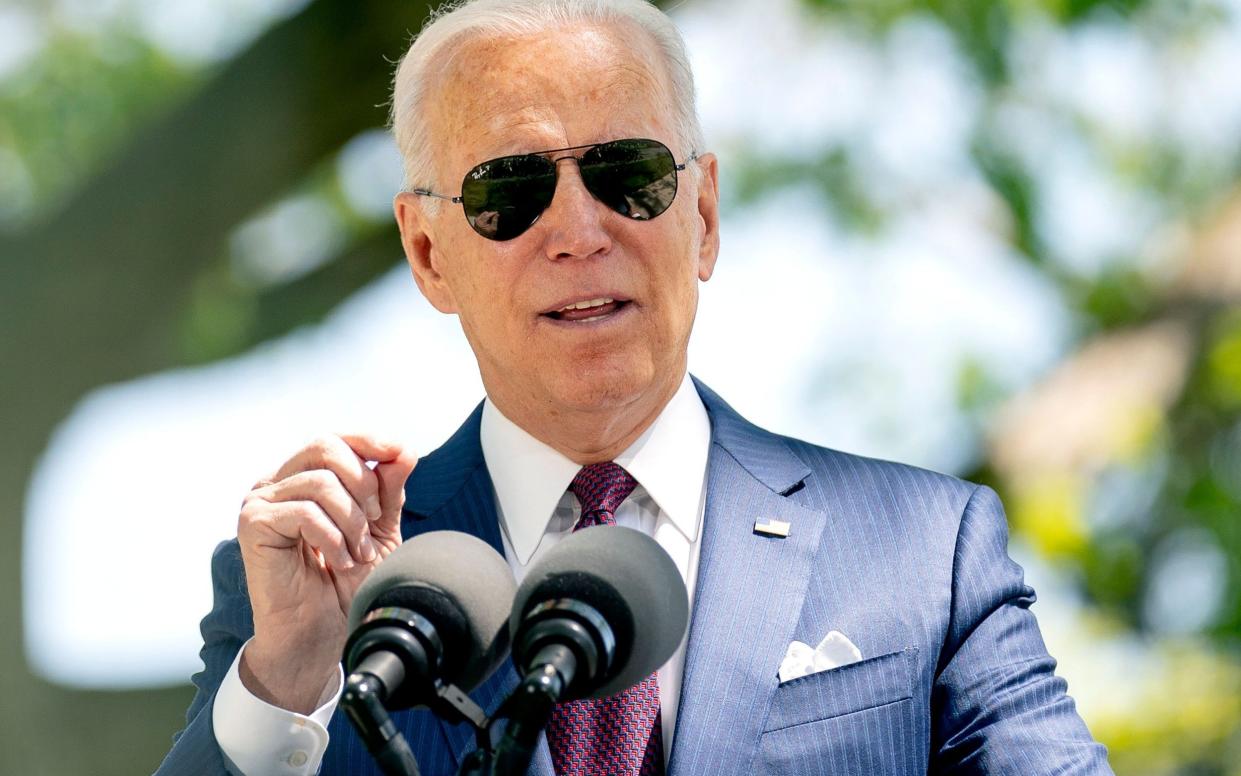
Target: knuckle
346, 504
305, 511
322, 445
251, 511
333, 539
257, 490
322, 479
335, 507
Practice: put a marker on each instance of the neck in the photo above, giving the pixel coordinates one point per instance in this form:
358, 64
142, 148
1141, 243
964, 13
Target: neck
594, 435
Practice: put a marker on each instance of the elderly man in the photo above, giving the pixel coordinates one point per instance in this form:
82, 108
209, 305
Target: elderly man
585, 219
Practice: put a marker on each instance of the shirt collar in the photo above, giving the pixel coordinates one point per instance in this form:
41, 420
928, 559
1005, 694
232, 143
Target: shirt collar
669, 460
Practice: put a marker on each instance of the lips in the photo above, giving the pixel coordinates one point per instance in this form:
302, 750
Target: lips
587, 309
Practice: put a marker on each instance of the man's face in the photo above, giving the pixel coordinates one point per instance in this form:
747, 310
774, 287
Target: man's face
571, 87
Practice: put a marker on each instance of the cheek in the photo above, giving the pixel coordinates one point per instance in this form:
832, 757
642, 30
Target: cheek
677, 302
473, 272
683, 279
493, 311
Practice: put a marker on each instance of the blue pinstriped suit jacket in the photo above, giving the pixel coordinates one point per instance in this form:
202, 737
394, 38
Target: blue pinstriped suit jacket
911, 565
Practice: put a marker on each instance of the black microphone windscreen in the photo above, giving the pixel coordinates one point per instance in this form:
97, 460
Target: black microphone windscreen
630, 580
459, 583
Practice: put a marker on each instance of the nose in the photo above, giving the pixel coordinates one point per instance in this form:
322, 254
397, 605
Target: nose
573, 223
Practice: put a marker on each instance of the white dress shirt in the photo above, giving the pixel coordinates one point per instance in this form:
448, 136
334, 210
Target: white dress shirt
669, 461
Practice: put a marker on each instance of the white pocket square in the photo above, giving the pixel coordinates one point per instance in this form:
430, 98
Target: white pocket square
834, 651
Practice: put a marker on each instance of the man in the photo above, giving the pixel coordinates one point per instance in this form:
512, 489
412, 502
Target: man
575, 275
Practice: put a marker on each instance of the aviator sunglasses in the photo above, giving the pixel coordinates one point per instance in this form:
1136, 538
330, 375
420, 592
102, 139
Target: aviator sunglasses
503, 197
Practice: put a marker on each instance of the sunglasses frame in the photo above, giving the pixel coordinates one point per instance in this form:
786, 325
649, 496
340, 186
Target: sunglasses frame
460, 198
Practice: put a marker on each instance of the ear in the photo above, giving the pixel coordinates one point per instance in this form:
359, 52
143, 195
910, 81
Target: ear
421, 250
709, 212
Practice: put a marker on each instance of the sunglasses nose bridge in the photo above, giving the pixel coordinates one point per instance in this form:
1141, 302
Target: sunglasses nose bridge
570, 177
574, 218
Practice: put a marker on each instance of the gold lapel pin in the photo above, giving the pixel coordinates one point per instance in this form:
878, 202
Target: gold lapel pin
769, 527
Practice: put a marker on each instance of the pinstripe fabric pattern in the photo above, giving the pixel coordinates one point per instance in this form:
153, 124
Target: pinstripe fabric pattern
229, 624
911, 565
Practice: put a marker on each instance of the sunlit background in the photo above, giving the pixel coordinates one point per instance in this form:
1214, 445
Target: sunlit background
999, 238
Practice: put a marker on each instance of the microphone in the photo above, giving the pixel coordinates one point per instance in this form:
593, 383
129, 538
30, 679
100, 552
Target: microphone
613, 599
602, 610
427, 626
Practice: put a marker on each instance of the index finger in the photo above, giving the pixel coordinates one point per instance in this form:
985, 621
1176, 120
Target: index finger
336, 455
372, 448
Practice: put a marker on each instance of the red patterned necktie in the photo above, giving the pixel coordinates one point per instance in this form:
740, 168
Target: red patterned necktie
621, 735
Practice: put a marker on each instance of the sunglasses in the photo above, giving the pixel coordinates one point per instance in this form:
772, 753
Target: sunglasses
503, 197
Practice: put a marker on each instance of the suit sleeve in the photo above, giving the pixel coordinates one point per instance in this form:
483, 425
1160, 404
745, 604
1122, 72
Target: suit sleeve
998, 707
229, 625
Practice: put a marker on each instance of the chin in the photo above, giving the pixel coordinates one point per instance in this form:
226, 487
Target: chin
602, 386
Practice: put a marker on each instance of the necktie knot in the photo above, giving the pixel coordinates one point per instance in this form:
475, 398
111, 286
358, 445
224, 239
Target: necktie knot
601, 487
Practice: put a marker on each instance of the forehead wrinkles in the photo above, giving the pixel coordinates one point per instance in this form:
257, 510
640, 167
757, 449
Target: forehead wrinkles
531, 117
507, 86
511, 88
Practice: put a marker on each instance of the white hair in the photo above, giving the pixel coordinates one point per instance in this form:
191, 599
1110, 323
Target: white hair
455, 21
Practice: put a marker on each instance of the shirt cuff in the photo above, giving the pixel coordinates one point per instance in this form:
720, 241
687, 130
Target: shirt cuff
259, 739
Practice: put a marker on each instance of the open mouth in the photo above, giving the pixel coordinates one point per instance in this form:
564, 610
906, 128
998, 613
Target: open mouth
588, 310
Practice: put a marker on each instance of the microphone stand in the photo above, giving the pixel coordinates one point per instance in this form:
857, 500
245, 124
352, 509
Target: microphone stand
528, 710
454, 705
363, 701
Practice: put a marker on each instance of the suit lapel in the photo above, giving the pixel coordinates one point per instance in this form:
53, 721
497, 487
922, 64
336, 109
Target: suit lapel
747, 597
451, 490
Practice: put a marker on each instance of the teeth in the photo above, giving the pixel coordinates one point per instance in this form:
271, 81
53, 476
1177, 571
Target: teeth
587, 305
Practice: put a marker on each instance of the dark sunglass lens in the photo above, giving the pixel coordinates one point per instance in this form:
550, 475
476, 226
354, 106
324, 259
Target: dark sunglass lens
636, 178
503, 197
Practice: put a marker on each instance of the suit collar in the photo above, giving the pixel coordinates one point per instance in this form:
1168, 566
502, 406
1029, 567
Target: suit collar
441, 474
530, 479
669, 461
764, 455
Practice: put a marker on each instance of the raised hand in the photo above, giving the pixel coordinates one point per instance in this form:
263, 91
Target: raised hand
309, 535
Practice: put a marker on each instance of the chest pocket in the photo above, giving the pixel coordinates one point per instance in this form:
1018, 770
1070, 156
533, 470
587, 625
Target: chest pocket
855, 719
